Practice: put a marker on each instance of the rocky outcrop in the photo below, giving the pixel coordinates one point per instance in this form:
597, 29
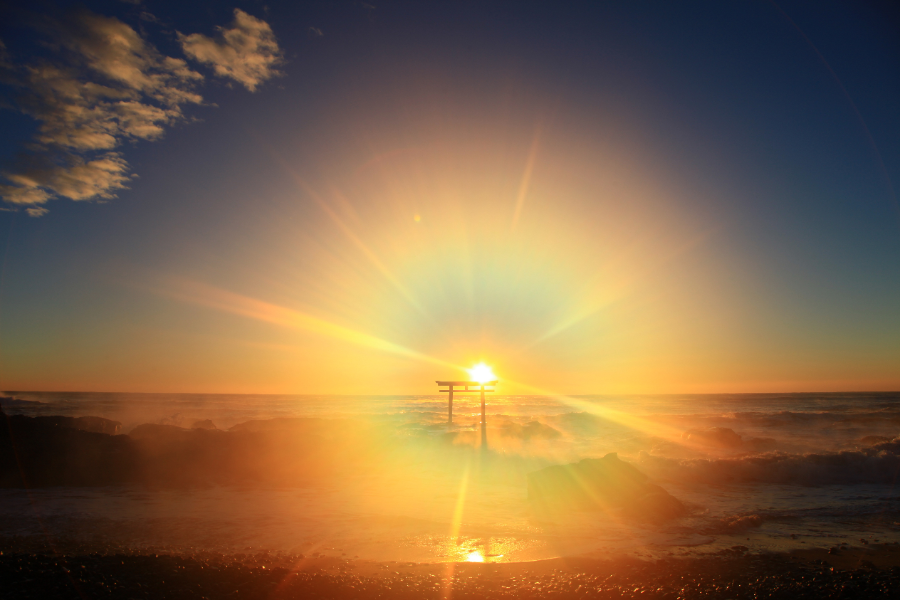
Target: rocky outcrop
98, 425
91, 424
53, 451
606, 483
42, 451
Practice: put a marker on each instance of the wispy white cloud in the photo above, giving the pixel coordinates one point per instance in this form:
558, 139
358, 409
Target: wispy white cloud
106, 85
246, 51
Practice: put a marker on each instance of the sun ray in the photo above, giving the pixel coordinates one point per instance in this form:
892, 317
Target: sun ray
345, 229
455, 525
526, 177
629, 420
222, 300
623, 287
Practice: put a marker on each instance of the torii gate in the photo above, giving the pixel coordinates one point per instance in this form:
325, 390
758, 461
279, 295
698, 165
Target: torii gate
465, 385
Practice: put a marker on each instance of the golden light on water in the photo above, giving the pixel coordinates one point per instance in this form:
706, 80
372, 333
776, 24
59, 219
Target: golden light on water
475, 557
482, 373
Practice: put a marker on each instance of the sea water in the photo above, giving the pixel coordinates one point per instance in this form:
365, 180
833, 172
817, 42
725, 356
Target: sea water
763, 471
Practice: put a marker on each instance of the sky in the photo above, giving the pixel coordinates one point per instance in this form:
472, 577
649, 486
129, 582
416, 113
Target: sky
365, 197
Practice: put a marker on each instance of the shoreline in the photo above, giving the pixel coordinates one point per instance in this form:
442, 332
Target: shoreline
871, 572
182, 533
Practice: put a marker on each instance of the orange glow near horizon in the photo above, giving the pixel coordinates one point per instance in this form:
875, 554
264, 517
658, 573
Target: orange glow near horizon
565, 259
454, 274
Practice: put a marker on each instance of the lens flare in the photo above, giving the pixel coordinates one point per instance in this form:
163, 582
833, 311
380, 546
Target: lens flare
482, 373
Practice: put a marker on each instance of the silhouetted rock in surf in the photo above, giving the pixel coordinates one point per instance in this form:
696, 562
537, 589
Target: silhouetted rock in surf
155, 431
44, 451
296, 424
605, 483
98, 425
205, 424
92, 424
51, 451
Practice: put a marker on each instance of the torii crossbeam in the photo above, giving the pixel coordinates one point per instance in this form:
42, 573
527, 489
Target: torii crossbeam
464, 386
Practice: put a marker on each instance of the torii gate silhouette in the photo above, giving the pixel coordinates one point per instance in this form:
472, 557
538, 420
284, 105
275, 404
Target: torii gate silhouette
465, 385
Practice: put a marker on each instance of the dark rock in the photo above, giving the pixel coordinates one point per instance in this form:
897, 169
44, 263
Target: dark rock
91, 424
42, 451
98, 425
603, 483
157, 432
205, 424
294, 424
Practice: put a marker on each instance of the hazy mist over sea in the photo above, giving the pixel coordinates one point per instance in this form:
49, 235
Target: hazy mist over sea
385, 477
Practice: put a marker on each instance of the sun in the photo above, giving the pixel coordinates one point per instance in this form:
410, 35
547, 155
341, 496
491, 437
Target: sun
482, 373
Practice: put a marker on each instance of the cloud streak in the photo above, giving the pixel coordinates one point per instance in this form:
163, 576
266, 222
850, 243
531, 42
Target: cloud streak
104, 85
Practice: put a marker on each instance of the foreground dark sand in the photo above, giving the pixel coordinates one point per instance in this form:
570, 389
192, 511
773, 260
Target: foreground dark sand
29, 568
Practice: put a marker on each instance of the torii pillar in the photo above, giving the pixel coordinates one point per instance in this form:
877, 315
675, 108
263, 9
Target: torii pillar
465, 385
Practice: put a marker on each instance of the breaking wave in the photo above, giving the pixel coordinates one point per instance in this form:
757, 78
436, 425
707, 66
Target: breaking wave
879, 463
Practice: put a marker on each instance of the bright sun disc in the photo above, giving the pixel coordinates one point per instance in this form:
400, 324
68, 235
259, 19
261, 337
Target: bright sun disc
482, 373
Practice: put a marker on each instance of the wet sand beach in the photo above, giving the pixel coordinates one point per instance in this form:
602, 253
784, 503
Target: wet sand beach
872, 572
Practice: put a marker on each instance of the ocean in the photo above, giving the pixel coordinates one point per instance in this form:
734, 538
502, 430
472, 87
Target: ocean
765, 472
